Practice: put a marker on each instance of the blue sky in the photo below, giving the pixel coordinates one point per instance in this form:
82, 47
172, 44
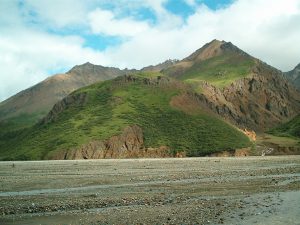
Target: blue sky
39, 38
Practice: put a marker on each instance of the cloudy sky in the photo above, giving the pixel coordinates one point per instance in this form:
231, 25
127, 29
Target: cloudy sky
42, 37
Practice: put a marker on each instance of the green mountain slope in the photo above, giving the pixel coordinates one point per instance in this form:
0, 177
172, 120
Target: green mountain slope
243, 90
218, 62
163, 108
30, 105
289, 129
238, 87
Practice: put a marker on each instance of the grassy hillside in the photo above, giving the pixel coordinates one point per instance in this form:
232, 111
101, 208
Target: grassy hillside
289, 129
110, 106
19, 122
28, 106
220, 71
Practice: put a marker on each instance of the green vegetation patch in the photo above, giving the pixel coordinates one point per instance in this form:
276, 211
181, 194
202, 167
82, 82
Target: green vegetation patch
19, 122
221, 70
289, 129
110, 106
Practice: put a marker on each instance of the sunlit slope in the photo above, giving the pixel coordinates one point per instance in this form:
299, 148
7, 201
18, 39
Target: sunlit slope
162, 107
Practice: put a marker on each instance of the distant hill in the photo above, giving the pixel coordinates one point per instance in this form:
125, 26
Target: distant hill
294, 76
30, 105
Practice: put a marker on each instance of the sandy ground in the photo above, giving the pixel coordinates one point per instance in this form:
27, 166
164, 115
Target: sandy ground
252, 190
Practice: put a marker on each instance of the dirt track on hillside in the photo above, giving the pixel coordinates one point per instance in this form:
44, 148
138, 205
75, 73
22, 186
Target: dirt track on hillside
254, 190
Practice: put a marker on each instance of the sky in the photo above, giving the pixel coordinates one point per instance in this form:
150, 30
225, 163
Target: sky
39, 38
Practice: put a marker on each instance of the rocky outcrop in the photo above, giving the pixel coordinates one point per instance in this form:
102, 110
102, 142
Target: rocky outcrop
75, 100
160, 81
259, 101
128, 144
250, 133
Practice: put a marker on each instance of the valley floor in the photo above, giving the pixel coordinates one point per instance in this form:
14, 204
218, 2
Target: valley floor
252, 190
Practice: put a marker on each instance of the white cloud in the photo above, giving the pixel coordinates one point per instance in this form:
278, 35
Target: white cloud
269, 30
104, 22
58, 13
26, 59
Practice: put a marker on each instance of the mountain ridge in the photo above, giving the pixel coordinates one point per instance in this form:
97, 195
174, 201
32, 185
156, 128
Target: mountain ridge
294, 76
105, 119
218, 88
36, 101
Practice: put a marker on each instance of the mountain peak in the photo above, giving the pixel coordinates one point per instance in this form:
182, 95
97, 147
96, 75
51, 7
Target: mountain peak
213, 49
85, 68
87, 64
215, 42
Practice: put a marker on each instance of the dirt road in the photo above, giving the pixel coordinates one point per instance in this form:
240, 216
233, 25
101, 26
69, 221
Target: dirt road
254, 190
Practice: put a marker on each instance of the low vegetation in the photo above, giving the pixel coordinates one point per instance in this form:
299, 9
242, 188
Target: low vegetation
112, 105
220, 70
289, 129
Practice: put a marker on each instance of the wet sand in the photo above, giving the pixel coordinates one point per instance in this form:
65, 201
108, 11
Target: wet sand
252, 190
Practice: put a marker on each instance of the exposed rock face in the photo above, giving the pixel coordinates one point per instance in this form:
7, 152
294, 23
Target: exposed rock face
261, 100
257, 102
294, 76
161, 81
128, 144
250, 133
78, 100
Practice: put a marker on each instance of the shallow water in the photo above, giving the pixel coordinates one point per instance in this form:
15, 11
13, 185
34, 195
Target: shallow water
284, 209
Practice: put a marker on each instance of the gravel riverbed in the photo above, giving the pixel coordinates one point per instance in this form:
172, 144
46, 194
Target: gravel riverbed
250, 190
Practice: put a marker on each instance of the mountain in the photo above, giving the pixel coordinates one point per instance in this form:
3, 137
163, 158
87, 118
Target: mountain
30, 105
128, 116
217, 62
294, 76
195, 106
237, 86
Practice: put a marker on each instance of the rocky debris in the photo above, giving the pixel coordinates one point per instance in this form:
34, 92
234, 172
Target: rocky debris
128, 144
188, 191
250, 133
243, 152
273, 149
